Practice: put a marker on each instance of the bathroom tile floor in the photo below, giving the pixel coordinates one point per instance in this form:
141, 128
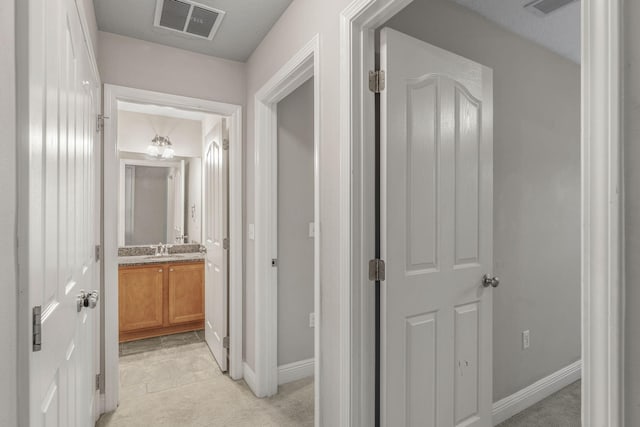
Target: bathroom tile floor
182, 386
157, 343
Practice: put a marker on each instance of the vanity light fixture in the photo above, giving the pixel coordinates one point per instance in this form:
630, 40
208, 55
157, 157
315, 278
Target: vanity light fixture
161, 147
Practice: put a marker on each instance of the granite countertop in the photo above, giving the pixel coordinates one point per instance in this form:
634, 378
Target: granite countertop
151, 259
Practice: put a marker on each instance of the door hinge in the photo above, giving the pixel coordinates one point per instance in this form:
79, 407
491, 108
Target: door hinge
37, 328
98, 381
376, 270
376, 81
274, 262
225, 144
100, 122
98, 252
225, 243
225, 342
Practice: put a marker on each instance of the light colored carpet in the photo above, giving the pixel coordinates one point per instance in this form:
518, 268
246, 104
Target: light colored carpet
561, 409
183, 387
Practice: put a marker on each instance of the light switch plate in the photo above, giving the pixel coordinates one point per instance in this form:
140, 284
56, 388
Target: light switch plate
526, 339
251, 232
312, 230
312, 320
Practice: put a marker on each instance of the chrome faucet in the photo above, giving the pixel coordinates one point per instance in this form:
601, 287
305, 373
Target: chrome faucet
162, 249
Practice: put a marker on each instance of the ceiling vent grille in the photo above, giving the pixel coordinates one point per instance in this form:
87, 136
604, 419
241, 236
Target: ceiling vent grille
545, 7
187, 17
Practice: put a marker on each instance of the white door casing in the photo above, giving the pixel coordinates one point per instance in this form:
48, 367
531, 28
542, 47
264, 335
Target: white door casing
436, 236
61, 218
215, 228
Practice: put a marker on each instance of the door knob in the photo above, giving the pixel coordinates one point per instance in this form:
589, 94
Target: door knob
91, 300
492, 281
87, 299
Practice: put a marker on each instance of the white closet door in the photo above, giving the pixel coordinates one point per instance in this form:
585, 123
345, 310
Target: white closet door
436, 237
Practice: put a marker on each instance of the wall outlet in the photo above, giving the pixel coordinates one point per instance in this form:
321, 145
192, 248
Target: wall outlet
526, 339
251, 232
312, 230
312, 320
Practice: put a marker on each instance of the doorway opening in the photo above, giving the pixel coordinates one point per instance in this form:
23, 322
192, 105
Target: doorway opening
455, 33
172, 243
294, 142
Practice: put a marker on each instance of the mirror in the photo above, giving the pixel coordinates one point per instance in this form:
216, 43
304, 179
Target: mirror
161, 201
160, 194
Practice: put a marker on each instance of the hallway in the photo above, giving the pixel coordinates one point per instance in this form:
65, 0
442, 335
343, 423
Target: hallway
183, 386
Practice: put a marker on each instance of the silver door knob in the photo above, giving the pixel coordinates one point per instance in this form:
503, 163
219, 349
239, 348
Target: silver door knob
92, 299
80, 300
492, 281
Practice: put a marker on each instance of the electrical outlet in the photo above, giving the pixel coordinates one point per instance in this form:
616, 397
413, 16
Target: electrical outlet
526, 339
312, 320
251, 232
312, 230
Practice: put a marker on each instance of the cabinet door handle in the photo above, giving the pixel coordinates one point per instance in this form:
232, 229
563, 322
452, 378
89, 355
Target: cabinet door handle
171, 269
160, 271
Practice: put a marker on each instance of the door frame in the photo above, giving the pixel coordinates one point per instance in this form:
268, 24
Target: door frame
111, 167
299, 69
602, 202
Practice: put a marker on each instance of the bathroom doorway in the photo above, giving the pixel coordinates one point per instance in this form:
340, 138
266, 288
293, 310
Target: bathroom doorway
158, 271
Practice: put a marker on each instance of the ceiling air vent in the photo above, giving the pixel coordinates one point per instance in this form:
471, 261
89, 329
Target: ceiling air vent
545, 7
187, 17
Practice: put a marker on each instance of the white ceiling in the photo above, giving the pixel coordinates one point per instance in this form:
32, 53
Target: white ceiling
559, 31
165, 111
244, 26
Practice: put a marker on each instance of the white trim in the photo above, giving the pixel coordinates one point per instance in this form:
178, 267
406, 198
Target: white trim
250, 377
357, 228
300, 68
112, 94
296, 371
602, 250
511, 405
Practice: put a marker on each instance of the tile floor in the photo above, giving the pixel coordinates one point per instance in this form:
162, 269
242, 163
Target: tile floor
182, 386
561, 409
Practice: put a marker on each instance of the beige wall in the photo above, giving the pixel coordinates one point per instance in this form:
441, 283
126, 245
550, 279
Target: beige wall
295, 212
536, 188
139, 64
8, 209
632, 210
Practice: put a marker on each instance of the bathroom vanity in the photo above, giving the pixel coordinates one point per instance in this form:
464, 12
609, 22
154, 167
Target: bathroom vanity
160, 295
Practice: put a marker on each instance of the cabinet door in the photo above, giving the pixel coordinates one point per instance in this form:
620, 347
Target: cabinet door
140, 297
186, 293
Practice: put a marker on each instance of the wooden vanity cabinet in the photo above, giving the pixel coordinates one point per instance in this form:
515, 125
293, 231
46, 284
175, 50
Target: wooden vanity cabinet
160, 299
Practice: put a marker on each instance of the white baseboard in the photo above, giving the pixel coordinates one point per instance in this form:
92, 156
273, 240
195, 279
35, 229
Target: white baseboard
249, 377
529, 396
295, 371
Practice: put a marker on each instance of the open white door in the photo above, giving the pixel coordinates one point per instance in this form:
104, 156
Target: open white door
216, 263
60, 230
436, 236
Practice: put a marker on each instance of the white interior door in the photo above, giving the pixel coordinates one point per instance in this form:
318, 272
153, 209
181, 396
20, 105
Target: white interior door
436, 236
216, 263
61, 193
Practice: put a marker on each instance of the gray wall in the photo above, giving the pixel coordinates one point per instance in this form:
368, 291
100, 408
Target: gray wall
295, 212
8, 261
536, 188
632, 211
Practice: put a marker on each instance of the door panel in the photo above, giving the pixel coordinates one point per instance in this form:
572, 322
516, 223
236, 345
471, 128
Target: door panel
216, 230
63, 103
140, 297
436, 237
186, 293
